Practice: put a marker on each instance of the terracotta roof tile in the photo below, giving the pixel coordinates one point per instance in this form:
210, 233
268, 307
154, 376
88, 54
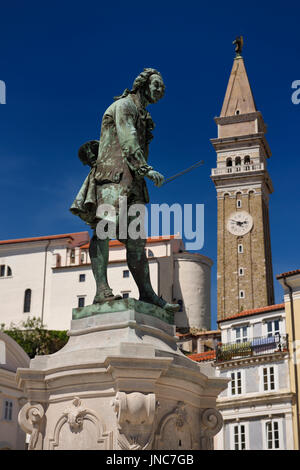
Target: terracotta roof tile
204, 356
159, 239
71, 236
287, 274
254, 311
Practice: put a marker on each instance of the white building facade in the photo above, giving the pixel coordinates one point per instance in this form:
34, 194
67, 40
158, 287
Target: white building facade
257, 405
12, 399
48, 276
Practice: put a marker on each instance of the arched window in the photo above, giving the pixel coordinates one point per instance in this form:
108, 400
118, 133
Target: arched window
150, 254
9, 273
229, 162
238, 161
247, 160
27, 301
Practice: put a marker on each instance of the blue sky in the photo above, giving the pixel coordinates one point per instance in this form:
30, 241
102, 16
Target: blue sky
62, 63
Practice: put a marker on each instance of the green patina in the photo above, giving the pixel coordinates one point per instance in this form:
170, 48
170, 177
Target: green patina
118, 166
114, 306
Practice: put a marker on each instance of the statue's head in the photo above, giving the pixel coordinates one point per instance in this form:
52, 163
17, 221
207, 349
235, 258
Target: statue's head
148, 84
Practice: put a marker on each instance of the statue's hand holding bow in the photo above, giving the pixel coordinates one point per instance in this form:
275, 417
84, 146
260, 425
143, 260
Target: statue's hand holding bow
156, 177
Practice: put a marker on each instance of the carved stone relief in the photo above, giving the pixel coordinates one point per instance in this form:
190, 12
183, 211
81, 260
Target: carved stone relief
211, 424
31, 420
174, 431
135, 414
80, 428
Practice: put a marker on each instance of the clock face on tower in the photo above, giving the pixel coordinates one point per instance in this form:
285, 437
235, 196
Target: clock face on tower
239, 223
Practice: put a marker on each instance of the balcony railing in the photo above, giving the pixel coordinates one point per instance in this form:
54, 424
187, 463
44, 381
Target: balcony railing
253, 347
237, 169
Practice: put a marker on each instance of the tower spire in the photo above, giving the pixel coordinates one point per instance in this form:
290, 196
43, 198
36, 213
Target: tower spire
239, 97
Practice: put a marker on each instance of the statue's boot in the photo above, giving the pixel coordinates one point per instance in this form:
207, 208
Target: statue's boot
99, 250
139, 267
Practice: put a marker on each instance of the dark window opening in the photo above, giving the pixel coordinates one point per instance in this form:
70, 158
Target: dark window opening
81, 277
81, 301
27, 301
8, 410
126, 273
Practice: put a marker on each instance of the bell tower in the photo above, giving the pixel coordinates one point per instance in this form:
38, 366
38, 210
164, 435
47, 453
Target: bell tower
243, 185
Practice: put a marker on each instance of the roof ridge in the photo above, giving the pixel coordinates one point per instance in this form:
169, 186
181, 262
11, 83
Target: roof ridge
42, 237
244, 313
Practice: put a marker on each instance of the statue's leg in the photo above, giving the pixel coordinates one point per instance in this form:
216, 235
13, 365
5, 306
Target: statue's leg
139, 267
99, 250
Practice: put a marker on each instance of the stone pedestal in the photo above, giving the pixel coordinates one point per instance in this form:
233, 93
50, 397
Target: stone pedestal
120, 383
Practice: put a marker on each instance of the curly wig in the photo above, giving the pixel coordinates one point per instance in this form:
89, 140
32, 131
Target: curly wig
140, 82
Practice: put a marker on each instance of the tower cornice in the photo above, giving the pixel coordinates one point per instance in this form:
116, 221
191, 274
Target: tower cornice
222, 143
247, 117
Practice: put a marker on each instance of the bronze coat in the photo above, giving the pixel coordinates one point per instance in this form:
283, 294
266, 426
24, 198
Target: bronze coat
122, 159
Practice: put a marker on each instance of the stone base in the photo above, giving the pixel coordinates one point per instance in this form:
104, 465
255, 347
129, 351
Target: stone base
120, 383
122, 305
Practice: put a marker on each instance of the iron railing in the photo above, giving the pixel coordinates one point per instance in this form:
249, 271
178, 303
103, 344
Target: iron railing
252, 347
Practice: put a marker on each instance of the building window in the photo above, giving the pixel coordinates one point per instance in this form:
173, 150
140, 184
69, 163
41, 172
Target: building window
5, 270
236, 383
238, 161
72, 257
241, 334
242, 294
240, 248
229, 162
241, 271
27, 301
268, 378
126, 273
81, 277
81, 301
238, 203
272, 435
239, 437
247, 160
8, 408
150, 254
125, 295
273, 328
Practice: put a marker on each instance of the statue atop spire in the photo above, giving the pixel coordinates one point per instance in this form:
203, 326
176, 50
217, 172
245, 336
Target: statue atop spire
238, 46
